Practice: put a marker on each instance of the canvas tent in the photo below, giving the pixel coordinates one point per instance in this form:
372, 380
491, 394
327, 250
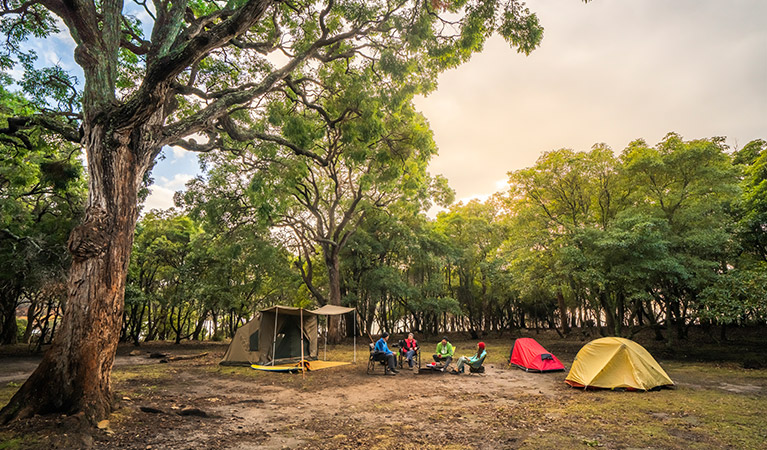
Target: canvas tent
530, 356
277, 335
615, 363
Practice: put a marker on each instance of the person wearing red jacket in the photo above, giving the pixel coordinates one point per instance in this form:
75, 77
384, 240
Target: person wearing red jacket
409, 349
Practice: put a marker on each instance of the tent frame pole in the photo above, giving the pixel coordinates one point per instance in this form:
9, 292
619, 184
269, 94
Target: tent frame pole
274, 339
327, 323
303, 373
355, 335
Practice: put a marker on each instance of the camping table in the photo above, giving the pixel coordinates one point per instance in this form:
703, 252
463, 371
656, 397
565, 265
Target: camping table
427, 369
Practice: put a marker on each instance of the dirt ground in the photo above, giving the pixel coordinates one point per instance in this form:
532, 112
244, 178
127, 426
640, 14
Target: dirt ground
197, 404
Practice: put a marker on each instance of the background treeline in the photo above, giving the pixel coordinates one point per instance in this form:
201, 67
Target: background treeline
661, 237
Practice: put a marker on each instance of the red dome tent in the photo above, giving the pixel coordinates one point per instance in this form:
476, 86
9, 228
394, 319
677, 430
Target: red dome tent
530, 356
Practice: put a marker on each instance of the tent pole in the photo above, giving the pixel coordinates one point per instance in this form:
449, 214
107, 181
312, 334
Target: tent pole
327, 322
274, 339
355, 335
303, 374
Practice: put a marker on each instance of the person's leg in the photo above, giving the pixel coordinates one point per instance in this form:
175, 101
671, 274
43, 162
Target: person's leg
448, 360
461, 362
410, 354
392, 363
437, 358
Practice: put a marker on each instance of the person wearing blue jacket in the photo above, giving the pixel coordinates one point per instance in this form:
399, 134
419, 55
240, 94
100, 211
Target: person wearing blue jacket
391, 361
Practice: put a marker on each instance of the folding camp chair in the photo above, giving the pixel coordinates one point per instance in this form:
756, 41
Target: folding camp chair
375, 359
401, 357
478, 367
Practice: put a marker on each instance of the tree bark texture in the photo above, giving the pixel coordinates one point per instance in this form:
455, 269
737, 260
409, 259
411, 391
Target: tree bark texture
8, 327
9, 300
121, 138
334, 296
74, 375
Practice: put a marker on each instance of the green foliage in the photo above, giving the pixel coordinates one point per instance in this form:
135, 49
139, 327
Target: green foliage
752, 211
737, 296
624, 237
51, 85
184, 272
42, 189
35, 21
21, 327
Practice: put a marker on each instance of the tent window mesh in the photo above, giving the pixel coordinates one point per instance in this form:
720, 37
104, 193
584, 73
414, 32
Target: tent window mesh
254, 342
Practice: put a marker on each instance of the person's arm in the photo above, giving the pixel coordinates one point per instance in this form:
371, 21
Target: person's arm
450, 350
476, 358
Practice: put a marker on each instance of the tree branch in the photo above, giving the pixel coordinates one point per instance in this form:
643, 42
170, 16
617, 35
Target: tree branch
186, 50
16, 124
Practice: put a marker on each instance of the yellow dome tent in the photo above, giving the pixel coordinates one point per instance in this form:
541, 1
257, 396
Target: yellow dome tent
615, 363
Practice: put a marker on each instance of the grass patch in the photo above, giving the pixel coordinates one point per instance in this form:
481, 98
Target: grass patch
154, 372
10, 443
707, 373
672, 419
6, 392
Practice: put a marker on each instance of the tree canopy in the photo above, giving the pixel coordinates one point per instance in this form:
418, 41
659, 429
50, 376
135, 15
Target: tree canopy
203, 76
315, 190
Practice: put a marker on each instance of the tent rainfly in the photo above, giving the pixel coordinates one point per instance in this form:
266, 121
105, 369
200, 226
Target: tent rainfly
278, 335
530, 356
616, 363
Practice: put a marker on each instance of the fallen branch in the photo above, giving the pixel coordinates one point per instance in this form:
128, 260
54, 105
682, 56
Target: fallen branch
181, 358
192, 412
149, 409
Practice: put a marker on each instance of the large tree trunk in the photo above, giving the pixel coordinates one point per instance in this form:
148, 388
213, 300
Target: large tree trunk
9, 300
8, 327
334, 295
74, 375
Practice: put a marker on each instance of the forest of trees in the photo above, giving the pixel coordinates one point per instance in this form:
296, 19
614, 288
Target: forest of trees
660, 237
315, 190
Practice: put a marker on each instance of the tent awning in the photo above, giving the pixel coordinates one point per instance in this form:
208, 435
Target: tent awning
331, 310
327, 310
286, 310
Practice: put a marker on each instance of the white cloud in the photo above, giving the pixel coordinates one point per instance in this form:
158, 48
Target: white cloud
606, 72
52, 58
178, 182
179, 153
161, 193
159, 198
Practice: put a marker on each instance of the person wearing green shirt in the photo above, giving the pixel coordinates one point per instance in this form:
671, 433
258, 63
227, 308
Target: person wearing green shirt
445, 351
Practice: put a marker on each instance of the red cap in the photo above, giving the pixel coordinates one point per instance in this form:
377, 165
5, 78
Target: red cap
481, 345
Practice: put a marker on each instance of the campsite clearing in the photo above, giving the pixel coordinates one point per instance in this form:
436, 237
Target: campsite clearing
715, 405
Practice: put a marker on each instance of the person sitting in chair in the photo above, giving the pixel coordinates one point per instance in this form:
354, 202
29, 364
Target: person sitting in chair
409, 349
444, 353
391, 361
475, 361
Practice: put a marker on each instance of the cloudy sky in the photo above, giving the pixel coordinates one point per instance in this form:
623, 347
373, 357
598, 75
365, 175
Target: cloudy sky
608, 71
